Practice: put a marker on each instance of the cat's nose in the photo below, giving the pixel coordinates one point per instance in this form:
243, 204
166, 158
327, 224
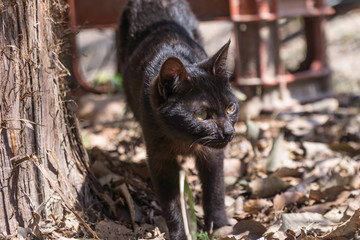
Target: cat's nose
228, 131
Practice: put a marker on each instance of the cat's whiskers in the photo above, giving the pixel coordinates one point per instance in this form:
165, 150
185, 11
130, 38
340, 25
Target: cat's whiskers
204, 140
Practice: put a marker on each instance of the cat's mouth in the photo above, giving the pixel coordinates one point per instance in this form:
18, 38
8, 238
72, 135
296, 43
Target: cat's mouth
217, 145
215, 142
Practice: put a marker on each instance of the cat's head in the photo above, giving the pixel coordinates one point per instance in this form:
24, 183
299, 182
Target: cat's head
195, 102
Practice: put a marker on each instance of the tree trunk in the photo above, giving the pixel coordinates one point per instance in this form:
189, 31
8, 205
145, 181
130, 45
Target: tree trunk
43, 165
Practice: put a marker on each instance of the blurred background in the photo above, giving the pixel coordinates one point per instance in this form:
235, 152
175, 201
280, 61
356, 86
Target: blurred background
283, 52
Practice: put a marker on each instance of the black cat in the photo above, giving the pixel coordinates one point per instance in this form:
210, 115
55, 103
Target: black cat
182, 100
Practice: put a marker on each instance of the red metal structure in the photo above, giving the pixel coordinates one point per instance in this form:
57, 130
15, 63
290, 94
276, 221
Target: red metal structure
258, 49
258, 45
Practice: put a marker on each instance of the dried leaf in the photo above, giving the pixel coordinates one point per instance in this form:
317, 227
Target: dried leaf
288, 172
324, 105
107, 229
273, 161
319, 208
23, 233
34, 226
354, 203
346, 230
224, 231
100, 169
315, 149
232, 167
252, 133
239, 205
346, 148
323, 207
285, 199
256, 205
255, 229
267, 187
330, 194
230, 237
297, 221
156, 235
336, 214
304, 126
276, 236
290, 234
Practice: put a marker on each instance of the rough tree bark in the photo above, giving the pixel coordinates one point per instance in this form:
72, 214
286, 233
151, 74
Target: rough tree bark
43, 165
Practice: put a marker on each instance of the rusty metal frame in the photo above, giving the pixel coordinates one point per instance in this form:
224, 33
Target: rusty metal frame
100, 14
258, 62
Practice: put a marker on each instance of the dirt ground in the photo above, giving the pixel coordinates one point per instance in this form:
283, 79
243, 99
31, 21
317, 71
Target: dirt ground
289, 175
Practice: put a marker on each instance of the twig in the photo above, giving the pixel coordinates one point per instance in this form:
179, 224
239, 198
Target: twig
183, 205
129, 202
34, 159
13, 143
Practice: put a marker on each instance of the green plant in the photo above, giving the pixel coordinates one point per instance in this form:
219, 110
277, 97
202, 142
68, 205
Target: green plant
190, 229
102, 77
117, 80
203, 236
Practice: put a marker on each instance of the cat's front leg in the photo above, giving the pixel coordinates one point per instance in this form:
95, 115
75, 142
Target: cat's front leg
165, 177
210, 164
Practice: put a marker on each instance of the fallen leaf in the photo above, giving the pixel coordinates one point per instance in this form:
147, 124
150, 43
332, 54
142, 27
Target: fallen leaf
329, 194
156, 235
324, 105
323, 207
267, 187
290, 234
336, 214
276, 236
319, 208
287, 198
252, 133
315, 149
232, 167
355, 203
256, 205
304, 126
297, 221
288, 172
345, 147
346, 230
239, 205
255, 229
273, 161
99, 168
223, 231
355, 182
108, 229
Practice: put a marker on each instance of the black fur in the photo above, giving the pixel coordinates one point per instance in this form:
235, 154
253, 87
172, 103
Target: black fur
169, 81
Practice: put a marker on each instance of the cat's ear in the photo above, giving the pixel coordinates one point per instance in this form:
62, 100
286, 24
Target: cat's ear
171, 77
218, 61
172, 70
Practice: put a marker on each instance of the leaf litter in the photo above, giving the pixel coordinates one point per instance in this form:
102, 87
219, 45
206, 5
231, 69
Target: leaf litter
307, 160
282, 183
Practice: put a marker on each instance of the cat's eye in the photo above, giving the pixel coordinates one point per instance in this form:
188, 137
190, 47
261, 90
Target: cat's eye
231, 109
201, 115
